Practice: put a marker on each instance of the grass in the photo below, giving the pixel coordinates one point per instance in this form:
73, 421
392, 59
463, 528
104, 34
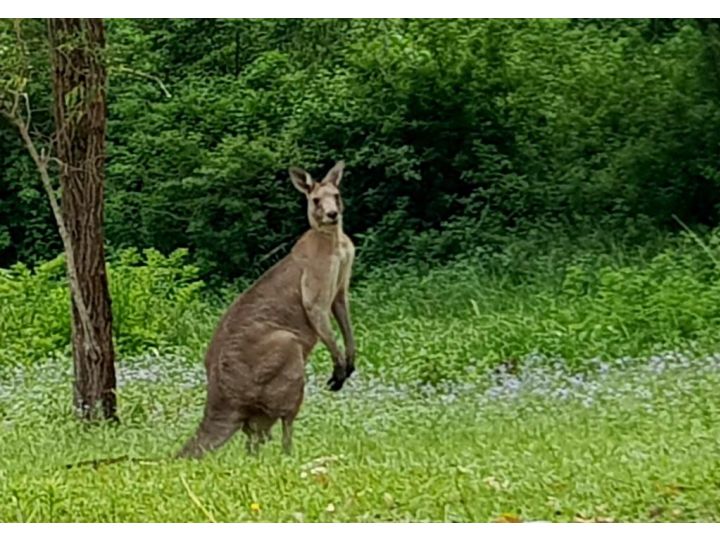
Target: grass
502, 387
636, 441
478, 313
430, 325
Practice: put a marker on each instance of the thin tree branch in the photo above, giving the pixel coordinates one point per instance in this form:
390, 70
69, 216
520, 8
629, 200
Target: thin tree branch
148, 76
29, 111
41, 162
13, 110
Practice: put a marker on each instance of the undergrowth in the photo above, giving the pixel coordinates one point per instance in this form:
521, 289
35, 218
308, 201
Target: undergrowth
424, 324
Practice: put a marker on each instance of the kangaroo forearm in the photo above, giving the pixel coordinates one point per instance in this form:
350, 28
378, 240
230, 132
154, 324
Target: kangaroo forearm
332, 346
342, 315
321, 323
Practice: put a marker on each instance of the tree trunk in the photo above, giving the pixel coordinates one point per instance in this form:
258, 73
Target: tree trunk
79, 90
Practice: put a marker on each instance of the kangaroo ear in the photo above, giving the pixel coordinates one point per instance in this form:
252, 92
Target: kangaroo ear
335, 174
301, 180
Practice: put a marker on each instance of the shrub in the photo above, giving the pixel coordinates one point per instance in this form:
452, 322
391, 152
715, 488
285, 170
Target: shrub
156, 302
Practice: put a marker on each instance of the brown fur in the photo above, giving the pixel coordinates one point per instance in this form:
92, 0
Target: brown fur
255, 362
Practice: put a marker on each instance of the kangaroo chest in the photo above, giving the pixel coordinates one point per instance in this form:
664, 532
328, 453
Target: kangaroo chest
340, 261
327, 263
345, 254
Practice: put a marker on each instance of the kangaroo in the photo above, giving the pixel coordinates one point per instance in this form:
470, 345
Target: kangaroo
256, 360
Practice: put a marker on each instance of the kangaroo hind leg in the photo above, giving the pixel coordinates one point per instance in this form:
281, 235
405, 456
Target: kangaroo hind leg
257, 429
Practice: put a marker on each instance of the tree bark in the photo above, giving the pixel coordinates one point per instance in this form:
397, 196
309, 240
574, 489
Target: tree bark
79, 91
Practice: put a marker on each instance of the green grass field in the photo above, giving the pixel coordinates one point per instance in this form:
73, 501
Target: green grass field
633, 441
502, 388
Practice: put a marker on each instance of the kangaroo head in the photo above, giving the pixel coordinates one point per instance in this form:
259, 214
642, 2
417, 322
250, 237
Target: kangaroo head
324, 203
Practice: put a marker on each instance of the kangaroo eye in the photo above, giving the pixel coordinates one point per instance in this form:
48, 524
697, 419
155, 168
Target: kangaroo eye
316, 200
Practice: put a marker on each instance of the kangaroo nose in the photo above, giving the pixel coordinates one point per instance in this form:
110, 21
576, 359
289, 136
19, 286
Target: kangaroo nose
332, 215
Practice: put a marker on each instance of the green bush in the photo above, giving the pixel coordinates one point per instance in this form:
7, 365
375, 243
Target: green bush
426, 324
34, 312
156, 302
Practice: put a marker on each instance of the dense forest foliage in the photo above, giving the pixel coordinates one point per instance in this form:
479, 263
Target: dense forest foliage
459, 135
